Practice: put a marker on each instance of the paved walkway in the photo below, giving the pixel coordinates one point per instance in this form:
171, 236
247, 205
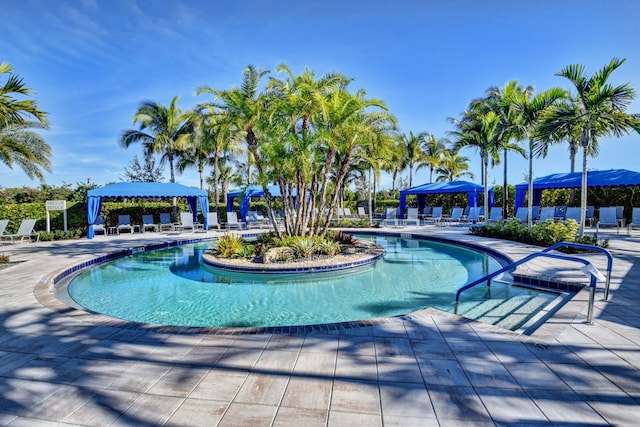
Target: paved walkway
67, 367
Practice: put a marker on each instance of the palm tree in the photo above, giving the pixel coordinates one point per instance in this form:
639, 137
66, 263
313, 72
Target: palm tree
18, 143
479, 128
167, 130
453, 166
434, 151
414, 153
529, 109
598, 111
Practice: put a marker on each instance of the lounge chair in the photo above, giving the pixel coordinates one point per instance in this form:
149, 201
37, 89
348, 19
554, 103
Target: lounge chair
608, 219
495, 215
412, 217
573, 213
232, 221
590, 215
474, 215
347, 213
522, 214
427, 211
560, 213
620, 215
124, 223
147, 223
255, 219
635, 220
212, 220
456, 215
3, 226
98, 225
390, 217
165, 222
436, 215
535, 213
186, 221
361, 212
546, 213
25, 231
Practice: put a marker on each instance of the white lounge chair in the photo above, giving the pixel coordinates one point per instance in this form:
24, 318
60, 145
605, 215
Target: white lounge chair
3, 226
635, 220
147, 223
212, 220
124, 223
25, 231
412, 217
608, 219
232, 221
347, 213
186, 221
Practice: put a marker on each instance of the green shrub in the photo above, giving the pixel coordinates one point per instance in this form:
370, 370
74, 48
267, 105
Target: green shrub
229, 246
303, 246
328, 247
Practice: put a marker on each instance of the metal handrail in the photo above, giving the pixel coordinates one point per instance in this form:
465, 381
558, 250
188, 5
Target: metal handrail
589, 248
593, 272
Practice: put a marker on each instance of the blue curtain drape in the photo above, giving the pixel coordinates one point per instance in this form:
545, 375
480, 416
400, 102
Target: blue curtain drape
203, 202
422, 203
93, 209
403, 204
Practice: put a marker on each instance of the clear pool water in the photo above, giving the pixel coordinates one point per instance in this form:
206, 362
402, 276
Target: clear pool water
172, 287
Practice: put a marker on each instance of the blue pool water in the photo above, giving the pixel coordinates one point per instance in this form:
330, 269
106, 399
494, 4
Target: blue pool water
172, 287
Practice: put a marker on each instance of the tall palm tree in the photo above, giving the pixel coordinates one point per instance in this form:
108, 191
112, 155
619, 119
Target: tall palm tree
529, 108
162, 130
19, 144
414, 153
396, 162
599, 111
453, 166
479, 128
434, 150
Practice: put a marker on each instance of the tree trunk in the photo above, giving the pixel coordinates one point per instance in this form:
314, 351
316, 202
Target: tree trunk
584, 139
530, 189
485, 167
505, 189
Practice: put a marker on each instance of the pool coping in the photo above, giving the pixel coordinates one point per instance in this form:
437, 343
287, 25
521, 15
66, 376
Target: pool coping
46, 290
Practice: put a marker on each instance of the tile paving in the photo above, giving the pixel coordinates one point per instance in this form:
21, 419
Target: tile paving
61, 366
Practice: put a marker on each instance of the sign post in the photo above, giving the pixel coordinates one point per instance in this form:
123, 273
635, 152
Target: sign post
57, 205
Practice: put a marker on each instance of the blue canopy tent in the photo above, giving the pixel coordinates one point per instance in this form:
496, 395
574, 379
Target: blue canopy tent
473, 190
195, 198
606, 178
248, 193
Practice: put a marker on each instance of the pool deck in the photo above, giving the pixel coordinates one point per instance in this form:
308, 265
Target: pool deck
66, 367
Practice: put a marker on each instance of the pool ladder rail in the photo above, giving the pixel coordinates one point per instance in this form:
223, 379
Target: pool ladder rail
588, 269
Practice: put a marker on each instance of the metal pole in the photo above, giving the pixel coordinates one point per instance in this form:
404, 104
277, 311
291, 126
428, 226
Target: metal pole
592, 296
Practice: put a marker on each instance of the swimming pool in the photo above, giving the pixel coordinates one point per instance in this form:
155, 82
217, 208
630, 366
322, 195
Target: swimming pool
171, 286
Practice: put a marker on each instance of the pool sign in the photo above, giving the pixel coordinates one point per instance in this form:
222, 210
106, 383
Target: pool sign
57, 205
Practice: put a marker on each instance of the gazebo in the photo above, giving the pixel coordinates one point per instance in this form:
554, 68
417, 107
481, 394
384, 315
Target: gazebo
472, 189
195, 198
606, 178
248, 193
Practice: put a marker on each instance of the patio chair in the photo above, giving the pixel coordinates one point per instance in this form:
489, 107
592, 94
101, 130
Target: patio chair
390, 217
573, 213
186, 221
361, 212
124, 223
147, 223
427, 211
436, 215
232, 221
559, 213
522, 214
165, 222
635, 220
620, 215
347, 213
590, 216
253, 220
535, 213
3, 226
98, 225
456, 215
546, 213
212, 220
495, 215
474, 215
608, 219
25, 231
412, 217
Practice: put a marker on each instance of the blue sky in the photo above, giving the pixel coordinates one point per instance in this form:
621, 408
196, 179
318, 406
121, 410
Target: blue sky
93, 62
